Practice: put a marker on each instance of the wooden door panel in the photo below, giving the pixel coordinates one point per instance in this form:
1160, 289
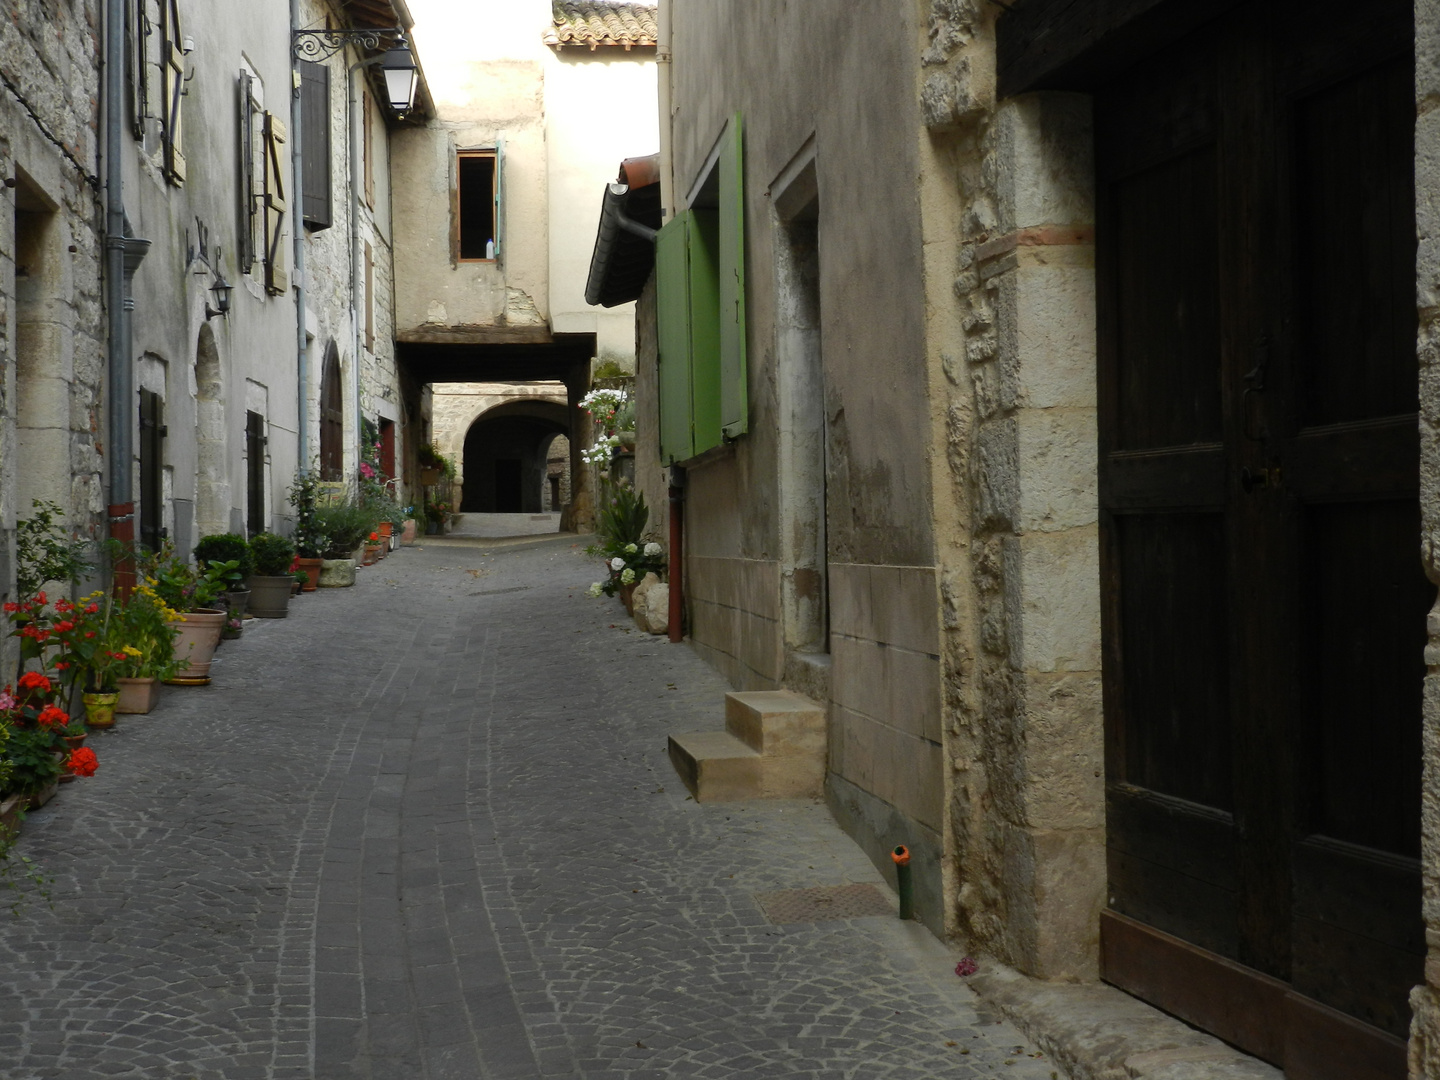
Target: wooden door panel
1184, 478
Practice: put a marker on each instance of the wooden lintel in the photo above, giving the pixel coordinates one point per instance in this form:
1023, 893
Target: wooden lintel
476, 335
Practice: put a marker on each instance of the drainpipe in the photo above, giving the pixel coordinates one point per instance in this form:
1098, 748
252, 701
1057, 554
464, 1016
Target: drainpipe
663, 88
121, 509
297, 225
677, 554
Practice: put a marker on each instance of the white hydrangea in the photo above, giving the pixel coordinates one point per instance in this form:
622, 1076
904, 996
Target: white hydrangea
628, 577
596, 589
631, 548
652, 549
617, 564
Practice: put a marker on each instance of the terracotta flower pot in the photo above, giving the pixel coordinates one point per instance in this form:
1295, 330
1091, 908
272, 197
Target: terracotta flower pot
138, 695
407, 534
312, 571
100, 709
429, 477
372, 554
195, 644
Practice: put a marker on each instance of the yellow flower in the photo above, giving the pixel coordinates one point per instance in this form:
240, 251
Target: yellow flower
131, 650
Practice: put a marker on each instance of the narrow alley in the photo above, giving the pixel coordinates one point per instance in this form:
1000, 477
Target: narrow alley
426, 827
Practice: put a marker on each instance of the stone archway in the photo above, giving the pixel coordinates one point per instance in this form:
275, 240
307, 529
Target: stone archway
212, 474
505, 452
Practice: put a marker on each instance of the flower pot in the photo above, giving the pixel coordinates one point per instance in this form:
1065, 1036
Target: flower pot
372, 554
432, 527
237, 600
195, 643
312, 571
294, 586
627, 597
100, 709
39, 798
429, 477
138, 695
407, 534
11, 809
385, 529
270, 596
337, 573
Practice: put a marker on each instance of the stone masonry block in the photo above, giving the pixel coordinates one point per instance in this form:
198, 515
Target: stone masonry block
1062, 784
906, 772
1047, 322
43, 403
1058, 465
1045, 160
1052, 600
897, 686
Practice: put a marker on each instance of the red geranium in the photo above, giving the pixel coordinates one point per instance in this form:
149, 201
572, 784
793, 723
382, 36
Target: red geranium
52, 716
34, 680
82, 762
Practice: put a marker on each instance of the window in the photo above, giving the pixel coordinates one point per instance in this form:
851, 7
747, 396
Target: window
250, 244
700, 279
332, 418
369, 297
172, 59
315, 133
479, 216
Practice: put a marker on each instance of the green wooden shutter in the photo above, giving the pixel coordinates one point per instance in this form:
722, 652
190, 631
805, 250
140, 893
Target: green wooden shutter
706, 381
672, 316
499, 223
734, 396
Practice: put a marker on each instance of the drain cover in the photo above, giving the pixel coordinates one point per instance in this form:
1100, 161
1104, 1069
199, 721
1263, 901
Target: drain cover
824, 903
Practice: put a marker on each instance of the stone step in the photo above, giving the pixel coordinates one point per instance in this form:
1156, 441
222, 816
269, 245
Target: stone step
776, 723
716, 766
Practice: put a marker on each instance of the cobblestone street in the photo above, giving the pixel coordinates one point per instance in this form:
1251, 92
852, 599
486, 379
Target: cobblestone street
426, 827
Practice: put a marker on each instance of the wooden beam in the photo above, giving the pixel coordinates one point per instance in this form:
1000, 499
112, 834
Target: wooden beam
476, 335
1077, 44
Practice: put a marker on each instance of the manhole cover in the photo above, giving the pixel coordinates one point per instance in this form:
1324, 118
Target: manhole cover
825, 902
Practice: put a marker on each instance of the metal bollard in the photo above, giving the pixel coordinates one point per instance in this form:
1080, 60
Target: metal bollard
901, 856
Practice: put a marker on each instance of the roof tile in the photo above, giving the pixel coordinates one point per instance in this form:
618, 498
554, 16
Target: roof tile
592, 23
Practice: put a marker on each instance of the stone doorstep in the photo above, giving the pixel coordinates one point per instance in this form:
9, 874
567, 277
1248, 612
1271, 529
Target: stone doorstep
776, 722
1096, 1032
717, 767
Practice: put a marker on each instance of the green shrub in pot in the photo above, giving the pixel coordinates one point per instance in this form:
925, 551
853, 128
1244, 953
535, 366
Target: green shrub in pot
273, 555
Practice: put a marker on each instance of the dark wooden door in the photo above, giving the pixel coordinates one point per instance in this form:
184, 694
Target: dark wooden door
152, 469
1265, 604
255, 444
332, 418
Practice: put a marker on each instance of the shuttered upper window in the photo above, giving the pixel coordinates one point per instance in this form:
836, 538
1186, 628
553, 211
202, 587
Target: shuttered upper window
315, 133
277, 261
700, 280
172, 67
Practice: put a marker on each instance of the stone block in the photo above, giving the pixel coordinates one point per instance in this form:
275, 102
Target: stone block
1058, 463
776, 723
715, 766
337, 573
897, 686
1052, 600
657, 609
1046, 160
1062, 744
42, 402
899, 768
1046, 317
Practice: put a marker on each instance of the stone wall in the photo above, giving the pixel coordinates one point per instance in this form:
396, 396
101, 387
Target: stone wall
52, 319
1425, 999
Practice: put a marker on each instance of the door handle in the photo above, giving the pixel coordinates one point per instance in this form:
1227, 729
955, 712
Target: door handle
1250, 479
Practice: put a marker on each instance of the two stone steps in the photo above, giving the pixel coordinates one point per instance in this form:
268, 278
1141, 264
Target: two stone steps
773, 747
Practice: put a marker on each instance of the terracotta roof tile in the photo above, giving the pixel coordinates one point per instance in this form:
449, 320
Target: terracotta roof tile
592, 23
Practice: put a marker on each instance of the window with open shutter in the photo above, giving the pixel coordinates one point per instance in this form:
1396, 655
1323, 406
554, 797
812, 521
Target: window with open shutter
173, 86
255, 444
700, 278
315, 133
332, 418
277, 278
367, 147
152, 469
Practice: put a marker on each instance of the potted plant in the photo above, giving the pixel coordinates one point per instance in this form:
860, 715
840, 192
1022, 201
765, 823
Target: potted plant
310, 538
147, 630
345, 525
432, 465
92, 648
230, 552
270, 584
191, 596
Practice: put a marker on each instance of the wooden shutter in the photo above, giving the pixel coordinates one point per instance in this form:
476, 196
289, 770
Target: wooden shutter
277, 278
706, 377
255, 473
173, 68
152, 466
245, 246
315, 133
367, 147
734, 396
136, 67
672, 316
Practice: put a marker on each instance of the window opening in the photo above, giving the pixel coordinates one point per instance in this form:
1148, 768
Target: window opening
477, 192
152, 466
255, 443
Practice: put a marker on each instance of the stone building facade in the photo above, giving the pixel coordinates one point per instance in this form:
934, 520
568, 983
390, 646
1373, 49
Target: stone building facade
52, 316
968, 527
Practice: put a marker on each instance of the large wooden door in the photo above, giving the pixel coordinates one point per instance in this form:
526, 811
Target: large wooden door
1265, 604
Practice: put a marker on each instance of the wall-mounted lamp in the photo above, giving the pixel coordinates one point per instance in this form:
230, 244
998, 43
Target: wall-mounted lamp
221, 291
402, 76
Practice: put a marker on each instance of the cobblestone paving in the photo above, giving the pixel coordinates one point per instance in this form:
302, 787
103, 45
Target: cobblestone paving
426, 828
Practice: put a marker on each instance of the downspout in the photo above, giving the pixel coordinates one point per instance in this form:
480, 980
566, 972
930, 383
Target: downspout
121, 509
663, 88
677, 554
297, 224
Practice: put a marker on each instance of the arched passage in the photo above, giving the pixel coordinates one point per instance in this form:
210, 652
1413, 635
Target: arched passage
212, 473
505, 457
